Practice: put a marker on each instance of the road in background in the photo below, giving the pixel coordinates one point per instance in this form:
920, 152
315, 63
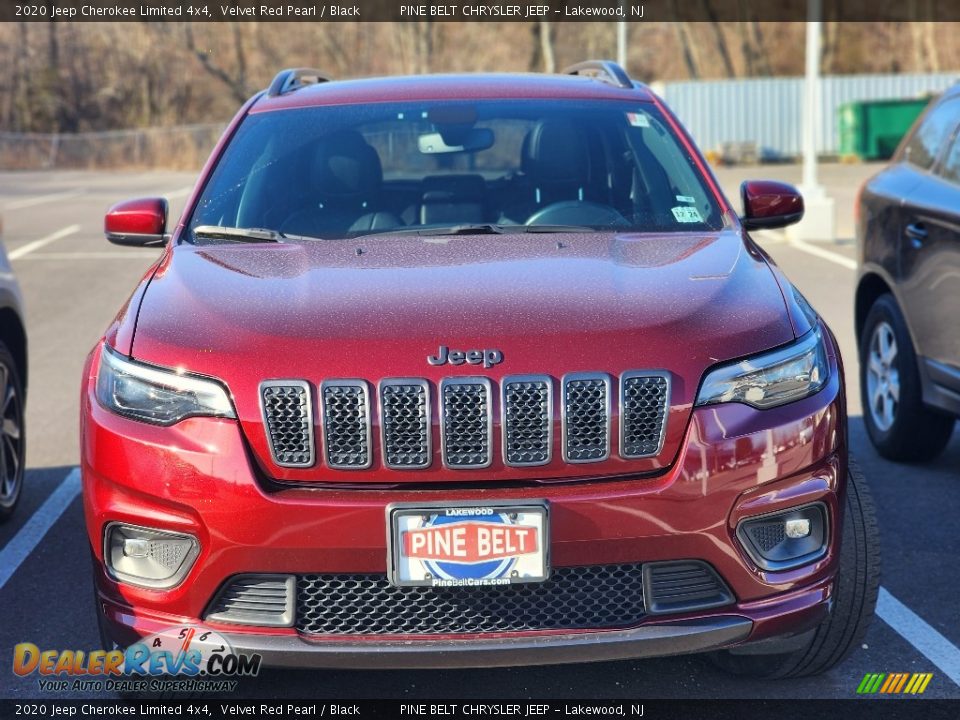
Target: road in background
74, 282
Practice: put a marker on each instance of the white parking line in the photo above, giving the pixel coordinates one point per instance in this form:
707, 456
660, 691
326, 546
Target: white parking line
40, 200
36, 244
810, 249
30, 535
915, 630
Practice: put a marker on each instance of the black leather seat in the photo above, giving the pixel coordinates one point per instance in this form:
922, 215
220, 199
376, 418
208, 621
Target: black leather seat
453, 199
555, 165
344, 190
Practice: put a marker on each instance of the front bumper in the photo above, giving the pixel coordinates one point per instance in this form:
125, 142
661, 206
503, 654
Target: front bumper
735, 462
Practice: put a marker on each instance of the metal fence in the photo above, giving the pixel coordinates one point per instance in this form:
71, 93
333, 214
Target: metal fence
767, 111
184, 147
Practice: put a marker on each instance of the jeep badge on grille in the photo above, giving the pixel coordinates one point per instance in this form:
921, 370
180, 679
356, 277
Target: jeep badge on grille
444, 355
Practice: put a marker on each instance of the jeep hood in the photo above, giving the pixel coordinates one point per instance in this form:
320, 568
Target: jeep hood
376, 308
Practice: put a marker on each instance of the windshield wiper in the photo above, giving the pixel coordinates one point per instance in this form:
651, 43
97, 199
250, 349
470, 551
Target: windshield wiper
560, 229
221, 232
482, 229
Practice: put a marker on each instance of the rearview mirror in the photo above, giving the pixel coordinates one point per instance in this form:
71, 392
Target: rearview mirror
471, 140
141, 222
768, 204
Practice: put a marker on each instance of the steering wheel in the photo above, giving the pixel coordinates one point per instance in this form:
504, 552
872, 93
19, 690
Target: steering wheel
577, 212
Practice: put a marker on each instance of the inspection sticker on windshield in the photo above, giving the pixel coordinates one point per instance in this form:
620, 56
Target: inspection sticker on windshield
686, 199
686, 214
638, 119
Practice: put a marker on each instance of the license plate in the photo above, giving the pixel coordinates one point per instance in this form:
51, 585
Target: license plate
468, 546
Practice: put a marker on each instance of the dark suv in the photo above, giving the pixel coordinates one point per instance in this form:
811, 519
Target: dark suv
908, 295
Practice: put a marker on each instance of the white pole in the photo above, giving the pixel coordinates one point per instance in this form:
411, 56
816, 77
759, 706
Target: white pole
622, 44
811, 104
819, 221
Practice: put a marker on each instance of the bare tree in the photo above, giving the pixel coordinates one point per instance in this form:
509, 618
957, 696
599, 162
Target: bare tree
97, 76
930, 42
688, 48
828, 50
719, 41
751, 43
546, 47
235, 81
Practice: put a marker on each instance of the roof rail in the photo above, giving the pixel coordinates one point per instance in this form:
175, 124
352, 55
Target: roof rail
293, 79
604, 70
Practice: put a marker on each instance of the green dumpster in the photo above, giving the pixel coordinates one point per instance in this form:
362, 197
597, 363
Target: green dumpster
872, 129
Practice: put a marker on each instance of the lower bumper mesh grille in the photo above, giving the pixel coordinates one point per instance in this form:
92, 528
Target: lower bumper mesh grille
592, 597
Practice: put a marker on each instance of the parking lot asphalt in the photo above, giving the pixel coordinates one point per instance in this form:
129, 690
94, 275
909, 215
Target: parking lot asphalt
74, 282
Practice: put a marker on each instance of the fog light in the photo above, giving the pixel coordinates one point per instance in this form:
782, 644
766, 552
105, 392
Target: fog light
136, 547
796, 528
146, 557
786, 539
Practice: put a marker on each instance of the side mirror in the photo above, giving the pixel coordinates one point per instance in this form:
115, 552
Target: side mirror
141, 222
768, 204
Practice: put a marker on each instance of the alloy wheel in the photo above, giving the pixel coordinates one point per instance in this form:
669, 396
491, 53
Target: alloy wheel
11, 439
883, 376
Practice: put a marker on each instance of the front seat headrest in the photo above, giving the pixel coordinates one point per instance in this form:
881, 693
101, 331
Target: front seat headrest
554, 151
346, 165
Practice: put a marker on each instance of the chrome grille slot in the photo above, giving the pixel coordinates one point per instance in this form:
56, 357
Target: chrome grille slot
288, 416
527, 420
346, 424
467, 422
644, 399
586, 417
405, 417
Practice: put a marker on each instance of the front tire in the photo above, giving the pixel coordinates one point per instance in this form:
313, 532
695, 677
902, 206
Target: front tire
12, 445
900, 426
855, 598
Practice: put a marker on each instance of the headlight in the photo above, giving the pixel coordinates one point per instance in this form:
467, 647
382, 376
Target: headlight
155, 395
771, 379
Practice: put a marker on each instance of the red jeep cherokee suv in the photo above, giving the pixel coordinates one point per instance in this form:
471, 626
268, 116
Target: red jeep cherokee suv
472, 370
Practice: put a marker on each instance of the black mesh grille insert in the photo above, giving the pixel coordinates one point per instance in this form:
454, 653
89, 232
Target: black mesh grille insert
587, 418
643, 414
598, 596
286, 409
527, 420
466, 423
766, 536
406, 424
346, 424
683, 586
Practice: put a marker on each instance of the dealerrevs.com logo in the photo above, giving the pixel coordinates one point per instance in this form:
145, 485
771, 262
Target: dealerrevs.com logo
188, 658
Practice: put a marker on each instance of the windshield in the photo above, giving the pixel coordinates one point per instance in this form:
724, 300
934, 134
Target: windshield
349, 171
